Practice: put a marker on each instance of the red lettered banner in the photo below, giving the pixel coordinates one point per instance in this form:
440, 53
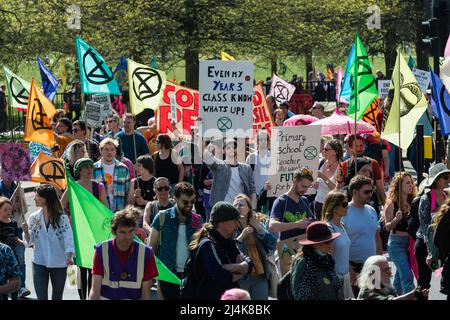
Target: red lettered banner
261, 114
187, 109
300, 102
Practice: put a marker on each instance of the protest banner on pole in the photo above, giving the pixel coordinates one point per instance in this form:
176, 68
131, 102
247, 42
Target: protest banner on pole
292, 148
226, 98
261, 114
186, 108
383, 88
14, 162
423, 78
93, 114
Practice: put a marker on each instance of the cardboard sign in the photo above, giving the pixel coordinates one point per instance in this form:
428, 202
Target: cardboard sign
423, 78
15, 162
105, 101
292, 148
300, 102
261, 114
93, 114
226, 98
383, 88
186, 108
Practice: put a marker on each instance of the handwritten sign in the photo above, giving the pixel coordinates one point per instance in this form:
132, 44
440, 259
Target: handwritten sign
226, 98
292, 148
423, 78
105, 101
383, 88
186, 108
261, 114
93, 114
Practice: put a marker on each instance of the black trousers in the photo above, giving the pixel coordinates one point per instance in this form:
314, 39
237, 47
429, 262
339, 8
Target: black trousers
86, 283
421, 253
169, 290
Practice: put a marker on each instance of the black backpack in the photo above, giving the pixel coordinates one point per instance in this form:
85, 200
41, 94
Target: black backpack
192, 280
284, 290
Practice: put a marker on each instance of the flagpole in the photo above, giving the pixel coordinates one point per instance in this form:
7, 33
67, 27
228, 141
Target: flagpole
355, 84
399, 135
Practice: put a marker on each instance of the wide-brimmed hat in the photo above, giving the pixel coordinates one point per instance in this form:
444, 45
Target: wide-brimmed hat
434, 172
318, 232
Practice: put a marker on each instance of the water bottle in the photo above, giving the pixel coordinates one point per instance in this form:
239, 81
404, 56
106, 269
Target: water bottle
72, 277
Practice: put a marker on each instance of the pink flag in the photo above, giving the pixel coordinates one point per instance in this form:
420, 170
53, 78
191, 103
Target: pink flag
447, 49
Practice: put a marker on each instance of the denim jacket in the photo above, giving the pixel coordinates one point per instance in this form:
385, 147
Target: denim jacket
167, 249
222, 176
266, 243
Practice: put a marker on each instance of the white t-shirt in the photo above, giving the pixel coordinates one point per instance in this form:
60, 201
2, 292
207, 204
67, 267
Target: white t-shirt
182, 248
108, 170
235, 187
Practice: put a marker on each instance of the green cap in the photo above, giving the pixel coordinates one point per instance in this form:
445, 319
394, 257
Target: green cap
82, 163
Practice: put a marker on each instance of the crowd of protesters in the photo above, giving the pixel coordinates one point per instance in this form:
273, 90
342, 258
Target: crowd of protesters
213, 225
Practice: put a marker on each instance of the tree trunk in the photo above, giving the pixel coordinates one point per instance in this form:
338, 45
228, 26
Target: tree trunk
422, 57
309, 63
273, 63
390, 52
191, 53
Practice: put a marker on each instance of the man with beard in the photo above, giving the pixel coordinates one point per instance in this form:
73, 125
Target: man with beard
290, 216
123, 267
358, 145
172, 231
361, 224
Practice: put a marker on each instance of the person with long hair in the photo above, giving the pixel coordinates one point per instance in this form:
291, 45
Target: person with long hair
313, 275
326, 180
74, 151
441, 227
396, 212
215, 263
50, 233
334, 209
255, 241
438, 180
167, 162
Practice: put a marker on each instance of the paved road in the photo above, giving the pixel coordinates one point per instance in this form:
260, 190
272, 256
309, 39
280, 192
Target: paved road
72, 293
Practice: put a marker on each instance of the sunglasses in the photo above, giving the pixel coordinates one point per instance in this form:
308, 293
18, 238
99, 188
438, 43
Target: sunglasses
161, 189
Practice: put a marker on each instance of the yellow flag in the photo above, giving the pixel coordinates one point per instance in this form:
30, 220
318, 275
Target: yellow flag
404, 90
38, 127
226, 56
48, 170
146, 86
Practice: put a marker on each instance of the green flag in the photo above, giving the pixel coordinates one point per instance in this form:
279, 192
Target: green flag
411, 62
19, 89
364, 90
95, 75
91, 225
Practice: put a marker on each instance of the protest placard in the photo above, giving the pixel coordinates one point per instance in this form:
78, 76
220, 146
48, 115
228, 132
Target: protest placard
226, 98
93, 114
105, 101
292, 148
383, 88
186, 108
261, 114
423, 78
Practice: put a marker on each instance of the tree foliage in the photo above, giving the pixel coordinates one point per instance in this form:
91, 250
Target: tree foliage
175, 30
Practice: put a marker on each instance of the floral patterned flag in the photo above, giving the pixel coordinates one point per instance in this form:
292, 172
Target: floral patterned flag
15, 162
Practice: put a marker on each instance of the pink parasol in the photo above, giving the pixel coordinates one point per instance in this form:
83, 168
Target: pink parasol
299, 119
342, 124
